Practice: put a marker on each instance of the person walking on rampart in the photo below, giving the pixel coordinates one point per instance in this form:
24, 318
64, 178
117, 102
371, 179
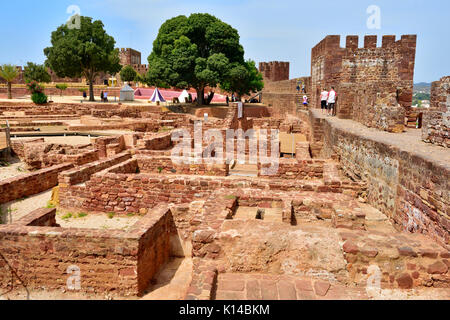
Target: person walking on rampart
324, 100
305, 101
332, 95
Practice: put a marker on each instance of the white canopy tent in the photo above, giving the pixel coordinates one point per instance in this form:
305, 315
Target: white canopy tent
127, 93
184, 96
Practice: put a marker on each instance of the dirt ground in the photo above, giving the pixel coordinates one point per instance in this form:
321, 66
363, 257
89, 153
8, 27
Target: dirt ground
15, 210
82, 220
70, 140
13, 168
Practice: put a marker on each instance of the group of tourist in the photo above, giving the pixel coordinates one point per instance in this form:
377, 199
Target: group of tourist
328, 101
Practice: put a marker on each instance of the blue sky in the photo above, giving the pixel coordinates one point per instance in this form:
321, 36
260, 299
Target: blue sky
284, 30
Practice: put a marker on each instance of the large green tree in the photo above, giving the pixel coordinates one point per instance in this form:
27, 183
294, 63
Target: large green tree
128, 74
195, 52
9, 73
85, 51
36, 72
244, 79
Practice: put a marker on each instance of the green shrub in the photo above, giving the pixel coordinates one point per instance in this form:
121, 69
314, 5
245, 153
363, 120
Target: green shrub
39, 98
61, 87
111, 215
82, 215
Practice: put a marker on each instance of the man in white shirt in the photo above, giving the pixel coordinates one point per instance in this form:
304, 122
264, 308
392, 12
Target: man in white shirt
331, 101
323, 100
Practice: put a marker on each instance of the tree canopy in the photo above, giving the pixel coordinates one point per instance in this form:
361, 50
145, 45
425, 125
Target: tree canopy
198, 51
9, 73
83, 52
128, 74
36, 72
244, 79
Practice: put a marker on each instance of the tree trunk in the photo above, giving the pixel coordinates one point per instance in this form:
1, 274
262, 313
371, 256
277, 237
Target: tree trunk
9, 91
91, 90
210, 98
200, 96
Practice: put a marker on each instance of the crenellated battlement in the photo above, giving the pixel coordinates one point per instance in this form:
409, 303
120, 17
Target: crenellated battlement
275, 70
380, 74
370, 42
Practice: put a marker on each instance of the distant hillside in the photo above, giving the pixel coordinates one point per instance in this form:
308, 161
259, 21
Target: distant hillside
422, 87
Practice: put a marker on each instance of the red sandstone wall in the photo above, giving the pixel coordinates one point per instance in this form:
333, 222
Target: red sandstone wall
274, 70
83, 173
30, 184
128, 193
110, 262
436, 120
298, 169
408, 188
368, 71
282, 96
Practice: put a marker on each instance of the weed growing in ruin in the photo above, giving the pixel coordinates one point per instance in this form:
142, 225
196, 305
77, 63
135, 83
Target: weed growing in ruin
111, 215
50, 205
67, 216
160, 169
165, 129
131, 214
230, 197
82, 215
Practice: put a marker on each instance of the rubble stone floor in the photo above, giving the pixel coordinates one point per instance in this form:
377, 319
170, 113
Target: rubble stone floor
234, 286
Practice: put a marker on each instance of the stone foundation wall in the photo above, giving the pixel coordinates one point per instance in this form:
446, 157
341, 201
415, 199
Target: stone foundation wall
30, 184
18, 146
101, 144
297, 169
165, 165
83, 173
162, 141
129, 193
37, 154
110, 262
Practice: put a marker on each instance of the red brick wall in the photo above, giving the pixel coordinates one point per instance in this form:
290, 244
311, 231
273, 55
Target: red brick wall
111, 262
31, 183
83, 173
274, 70
153, 164
297, 169
282, 96
436, 120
